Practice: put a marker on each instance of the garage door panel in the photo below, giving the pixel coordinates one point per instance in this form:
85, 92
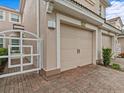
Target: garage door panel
73, 39
107, 41
68, 54
69, 59
68, 43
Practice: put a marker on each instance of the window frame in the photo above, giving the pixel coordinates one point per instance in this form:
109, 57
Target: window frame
15, 49
4, 15
10, 18
3, 35
11, 43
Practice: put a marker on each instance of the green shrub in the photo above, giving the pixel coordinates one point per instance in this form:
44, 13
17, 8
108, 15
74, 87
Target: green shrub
107, 54
3, 52
116, 66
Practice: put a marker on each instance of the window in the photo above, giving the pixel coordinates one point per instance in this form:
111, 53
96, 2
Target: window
1, 43
2, 16
15, 18
15, 49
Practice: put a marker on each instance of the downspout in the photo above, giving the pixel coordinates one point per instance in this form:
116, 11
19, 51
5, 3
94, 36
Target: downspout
38, 18
39, 43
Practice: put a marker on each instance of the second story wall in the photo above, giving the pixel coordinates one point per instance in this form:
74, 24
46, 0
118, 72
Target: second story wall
8, 17
102, 10
92, 5
30, 16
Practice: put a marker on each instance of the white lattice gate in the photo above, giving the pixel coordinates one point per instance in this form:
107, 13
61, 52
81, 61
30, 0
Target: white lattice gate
20, 52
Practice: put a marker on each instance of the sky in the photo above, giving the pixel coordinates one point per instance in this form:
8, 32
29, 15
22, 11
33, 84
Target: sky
14, 4
116, 9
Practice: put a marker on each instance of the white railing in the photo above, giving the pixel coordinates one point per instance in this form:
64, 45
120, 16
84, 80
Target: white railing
21, 55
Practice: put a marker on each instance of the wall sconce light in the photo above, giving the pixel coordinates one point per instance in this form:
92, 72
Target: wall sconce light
51, 24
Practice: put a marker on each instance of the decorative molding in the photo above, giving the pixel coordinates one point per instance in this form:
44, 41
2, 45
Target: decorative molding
91, 2
83, 23
50, 7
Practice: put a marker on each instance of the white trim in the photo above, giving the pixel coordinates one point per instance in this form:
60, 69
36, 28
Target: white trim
16, 55
4, 16
58, 41
21, 55
17, 73
121, 36
38, 18
28, 32
38, 33
59, 18
107, 33
4, 41
97, 47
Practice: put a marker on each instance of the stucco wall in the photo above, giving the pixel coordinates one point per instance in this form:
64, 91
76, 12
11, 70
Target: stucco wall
30, 16
6, 24
50, 35
93, 7
30, 22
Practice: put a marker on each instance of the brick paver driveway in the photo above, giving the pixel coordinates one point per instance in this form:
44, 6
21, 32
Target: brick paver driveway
89, 79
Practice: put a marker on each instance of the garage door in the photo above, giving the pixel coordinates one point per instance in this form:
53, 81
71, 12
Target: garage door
76, 47
107, 41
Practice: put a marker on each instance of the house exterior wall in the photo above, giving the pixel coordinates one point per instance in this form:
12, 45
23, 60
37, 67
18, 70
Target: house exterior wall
51, 36
7, 24
102, 10
92, 5
30, 16
48, 35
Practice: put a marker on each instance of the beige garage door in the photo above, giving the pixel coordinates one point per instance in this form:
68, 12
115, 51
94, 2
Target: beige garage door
76, 47
107, 41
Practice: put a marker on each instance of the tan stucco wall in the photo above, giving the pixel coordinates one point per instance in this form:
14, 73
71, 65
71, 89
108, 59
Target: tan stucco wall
93, 7
30, 22
50, 35
30, 16
51, 39
6, 24
51, 53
